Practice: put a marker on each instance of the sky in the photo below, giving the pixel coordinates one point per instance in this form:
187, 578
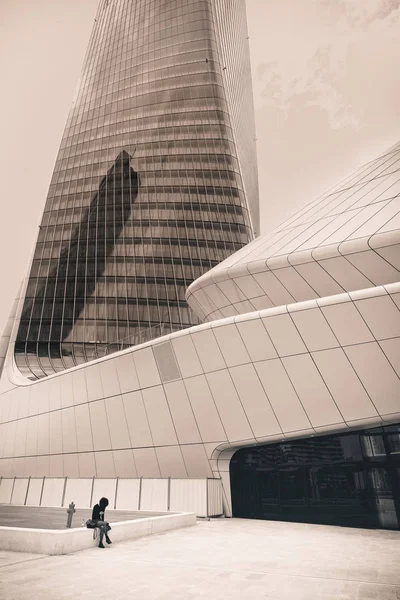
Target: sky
326, 83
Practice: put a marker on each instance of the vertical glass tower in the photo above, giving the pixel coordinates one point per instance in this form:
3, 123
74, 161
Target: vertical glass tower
155, 181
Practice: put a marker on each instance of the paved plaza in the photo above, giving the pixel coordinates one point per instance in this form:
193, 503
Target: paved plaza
218, 560
56, 518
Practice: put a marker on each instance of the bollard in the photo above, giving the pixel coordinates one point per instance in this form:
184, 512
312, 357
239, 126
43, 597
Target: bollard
70, 512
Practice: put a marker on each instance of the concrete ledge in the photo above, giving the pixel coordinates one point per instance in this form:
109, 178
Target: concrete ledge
66, 541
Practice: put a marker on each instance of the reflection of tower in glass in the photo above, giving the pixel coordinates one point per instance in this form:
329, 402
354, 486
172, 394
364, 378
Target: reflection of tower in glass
113, 258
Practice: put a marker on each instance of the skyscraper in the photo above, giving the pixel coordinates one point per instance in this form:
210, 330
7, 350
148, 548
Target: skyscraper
154, 184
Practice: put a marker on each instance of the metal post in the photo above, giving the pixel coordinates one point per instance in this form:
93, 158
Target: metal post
169, 493
27, 490
12, 490
64, 488
41, 493
91, 492
140, 493
116, 493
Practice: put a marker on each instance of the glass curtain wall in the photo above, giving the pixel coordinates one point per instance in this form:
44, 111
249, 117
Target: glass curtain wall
148, 190
350, 479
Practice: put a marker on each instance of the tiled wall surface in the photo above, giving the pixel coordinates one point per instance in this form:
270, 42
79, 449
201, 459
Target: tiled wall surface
316, 366
347, 240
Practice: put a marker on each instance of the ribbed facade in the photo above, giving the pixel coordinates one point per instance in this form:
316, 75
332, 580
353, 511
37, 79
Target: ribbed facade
152, 184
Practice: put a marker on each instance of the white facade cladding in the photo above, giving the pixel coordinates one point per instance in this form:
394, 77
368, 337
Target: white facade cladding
324, 359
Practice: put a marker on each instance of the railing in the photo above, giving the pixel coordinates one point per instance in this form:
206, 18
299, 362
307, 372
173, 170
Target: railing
201, 496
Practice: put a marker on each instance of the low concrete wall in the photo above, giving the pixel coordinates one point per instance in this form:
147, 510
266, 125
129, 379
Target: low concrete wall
66, 541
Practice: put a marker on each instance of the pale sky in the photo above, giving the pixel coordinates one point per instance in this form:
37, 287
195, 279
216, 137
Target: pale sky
326, 84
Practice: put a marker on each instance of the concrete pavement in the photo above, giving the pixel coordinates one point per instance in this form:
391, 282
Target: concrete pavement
221, 559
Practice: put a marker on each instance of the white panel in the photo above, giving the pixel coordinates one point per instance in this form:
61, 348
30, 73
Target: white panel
377, 375
171, 461
374, 267
284, 335
146, 368
43, 399
161, 426
206, 414
79, 492
146, 462
124, 463
126, 371
295, 284
109, 379
382, 316
69, 430
67, 390
31, 437
34, 492
347, 324
231, 345
56, 465
93, 382
104, 464
43, 434
208, 350
154, 494
138, 425
231, 291
83, 428
196, 461
229, 406
117, 423
261, 303
10, 439
42, 466
23, 410
345, 274
312, 391
189, 495
55, 393
79, 386
214, 498
257, 340
182, 413
216, 296
128, 494
99, 423
19, 491
186, 355
313, 328
344, 385
104, 488
254, 400
33, 402
284, 401
6, 486
20, 438
71, 465
319, 279
392, 350
14, 405
55, 427
52, 492
249, 286
86, 464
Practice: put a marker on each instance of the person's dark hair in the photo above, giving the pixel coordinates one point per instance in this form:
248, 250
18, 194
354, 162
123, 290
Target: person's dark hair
103, 503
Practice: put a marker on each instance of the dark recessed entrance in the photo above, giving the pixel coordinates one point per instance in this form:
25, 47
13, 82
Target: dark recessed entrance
350, 479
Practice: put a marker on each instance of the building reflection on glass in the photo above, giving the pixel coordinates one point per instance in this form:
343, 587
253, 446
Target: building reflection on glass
169, 83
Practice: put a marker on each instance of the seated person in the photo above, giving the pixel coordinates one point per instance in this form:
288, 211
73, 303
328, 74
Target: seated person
97, 520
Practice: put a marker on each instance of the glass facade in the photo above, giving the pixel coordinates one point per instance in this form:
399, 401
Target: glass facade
349, 479
154, 184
